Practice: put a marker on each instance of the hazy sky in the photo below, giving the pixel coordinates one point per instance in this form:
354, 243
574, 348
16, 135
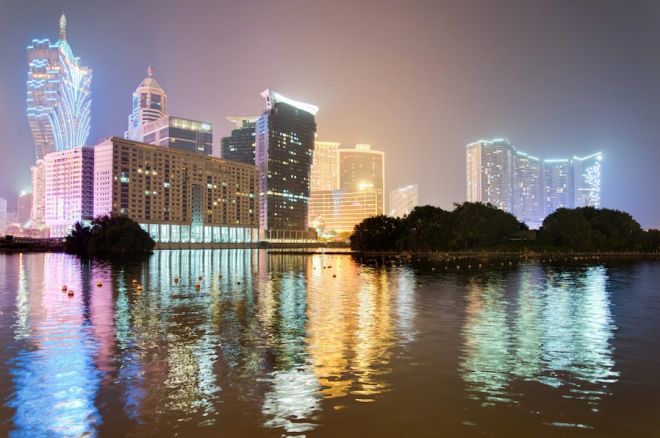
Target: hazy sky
416, 79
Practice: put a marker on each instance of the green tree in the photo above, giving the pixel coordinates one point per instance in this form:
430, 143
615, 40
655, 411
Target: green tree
377, 233
426, 228
119, 235
477, 225
77, 241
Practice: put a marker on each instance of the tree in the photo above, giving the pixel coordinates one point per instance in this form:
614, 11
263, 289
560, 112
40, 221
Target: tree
109, 235
426, 228
377, 233
476, 225
77, 242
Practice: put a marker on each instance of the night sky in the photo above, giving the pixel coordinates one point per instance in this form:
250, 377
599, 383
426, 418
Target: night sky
416, 79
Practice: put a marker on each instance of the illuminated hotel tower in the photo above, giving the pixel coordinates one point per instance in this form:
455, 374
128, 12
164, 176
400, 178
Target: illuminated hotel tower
363, 169
557, 184
586, 180
489, 172
284, 146
58, 95
325, 166
149, 104
527, 191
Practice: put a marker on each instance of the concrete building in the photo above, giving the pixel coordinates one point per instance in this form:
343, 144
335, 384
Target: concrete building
177, 196
403, 200
489, 172
24, 209
3, 215
38, 194
69, 189
335, 211
240, 145
586, 180
284, 147
325, 166
58, 95
362, 169
527, 192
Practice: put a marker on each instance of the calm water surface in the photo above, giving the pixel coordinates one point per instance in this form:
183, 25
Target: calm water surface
278, 345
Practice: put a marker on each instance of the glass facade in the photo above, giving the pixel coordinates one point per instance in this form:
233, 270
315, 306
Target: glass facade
240, 145
170, 233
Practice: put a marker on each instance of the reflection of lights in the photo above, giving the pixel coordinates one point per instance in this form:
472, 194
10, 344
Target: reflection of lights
293, 397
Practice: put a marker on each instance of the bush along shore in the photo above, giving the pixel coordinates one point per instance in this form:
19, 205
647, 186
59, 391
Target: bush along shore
479, 230
109, 236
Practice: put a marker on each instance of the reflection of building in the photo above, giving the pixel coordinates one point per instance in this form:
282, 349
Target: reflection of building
586, 178
177, 196
38, 194
489, 172
239, 146
403, 200
524, 185
58, 95
284, 146
69, 193
338, 211
527, 192
24, 209
325, 166
363, 169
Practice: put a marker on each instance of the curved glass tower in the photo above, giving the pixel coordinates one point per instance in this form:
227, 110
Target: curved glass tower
58, 95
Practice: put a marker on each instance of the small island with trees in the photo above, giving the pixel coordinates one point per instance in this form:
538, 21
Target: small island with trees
483, 227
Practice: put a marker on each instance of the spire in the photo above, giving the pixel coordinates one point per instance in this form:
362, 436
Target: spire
150, 71
63, 27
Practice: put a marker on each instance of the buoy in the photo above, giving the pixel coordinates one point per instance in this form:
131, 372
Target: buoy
99, 284
432, 269
138, 286
219, 275
176, 279
469, 266
135, 280
70, 293
334, 275
458, 267
64, 288
510, 263
200, 278
198, 286
238, 282
480, 265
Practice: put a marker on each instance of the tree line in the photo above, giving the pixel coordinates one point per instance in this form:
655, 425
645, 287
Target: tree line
473, 225
108, 235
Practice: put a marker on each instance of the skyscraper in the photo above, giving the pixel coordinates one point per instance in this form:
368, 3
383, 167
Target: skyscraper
38, 194
325, 166
557, 184
403, 200
363, 169
489, 172
24, 208
586, 179
283, 153
149, 104
239, 146
527, 192
58, 95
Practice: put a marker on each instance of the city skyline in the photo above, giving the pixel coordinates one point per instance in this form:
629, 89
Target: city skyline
626, 140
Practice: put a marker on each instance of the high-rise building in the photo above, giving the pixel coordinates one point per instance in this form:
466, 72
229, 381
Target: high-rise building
362, 169
403, 200
178, 133
489, 172
557, 184
69, 189
325, 166
58, 95
336, 211
178, 197
24, 208
38, 194
3, 215
284, 146
527, 192
239, 146
586, 180
149, 104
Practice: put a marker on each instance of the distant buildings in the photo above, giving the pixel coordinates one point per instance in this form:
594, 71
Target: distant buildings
178, 197
325, 166
58, 95
24, 208
526, 186
283, 154
3, 215
362, 169
240, 145
403, 200
69, 194
150, 123
38, 194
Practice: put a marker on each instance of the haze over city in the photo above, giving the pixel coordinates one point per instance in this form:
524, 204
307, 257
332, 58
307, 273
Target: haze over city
417, 80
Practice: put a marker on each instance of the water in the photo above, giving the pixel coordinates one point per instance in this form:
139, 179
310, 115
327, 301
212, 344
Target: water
280, 346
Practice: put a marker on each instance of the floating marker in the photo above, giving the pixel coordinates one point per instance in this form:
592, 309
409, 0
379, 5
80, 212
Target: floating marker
64, 288
99, 284
70, 293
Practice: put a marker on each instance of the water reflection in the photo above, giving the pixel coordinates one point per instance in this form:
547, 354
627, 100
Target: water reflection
550, 327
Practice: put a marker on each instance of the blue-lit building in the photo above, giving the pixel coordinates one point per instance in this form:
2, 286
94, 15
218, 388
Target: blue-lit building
59, 96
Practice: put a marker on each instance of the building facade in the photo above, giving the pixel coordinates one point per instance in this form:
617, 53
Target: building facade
363, 169
284, 147
325, 166
489, 172
38, 194
403, 200
557, 185
24, 209
240, 145
586, 179
178, 133
336, 211
527, 193
69, 189
58, 95
3, 215
178, 197
149, 104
